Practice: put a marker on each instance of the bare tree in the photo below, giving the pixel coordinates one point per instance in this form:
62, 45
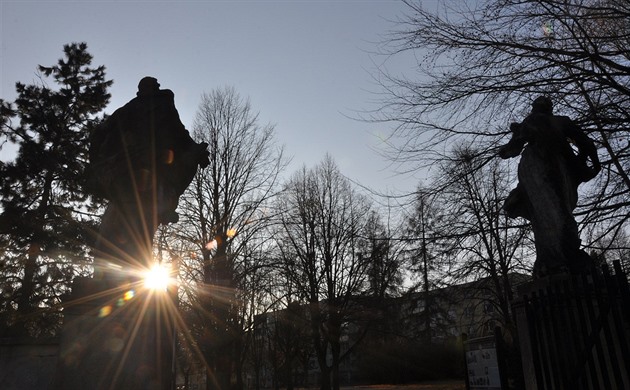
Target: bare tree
480, 65
284, 327
322, 221
481, 242
224, 215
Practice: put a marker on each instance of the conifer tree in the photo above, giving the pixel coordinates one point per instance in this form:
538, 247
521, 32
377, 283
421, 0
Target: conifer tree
45, 218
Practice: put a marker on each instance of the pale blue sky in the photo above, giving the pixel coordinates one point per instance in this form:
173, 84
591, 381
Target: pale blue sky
305, 65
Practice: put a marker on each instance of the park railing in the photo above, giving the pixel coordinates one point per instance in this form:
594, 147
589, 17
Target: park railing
574, 331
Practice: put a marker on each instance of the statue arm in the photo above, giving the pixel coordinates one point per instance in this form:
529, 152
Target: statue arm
586, 150
180, 139
516, 144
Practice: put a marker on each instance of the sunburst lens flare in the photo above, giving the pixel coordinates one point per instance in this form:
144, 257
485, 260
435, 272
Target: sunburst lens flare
157, 278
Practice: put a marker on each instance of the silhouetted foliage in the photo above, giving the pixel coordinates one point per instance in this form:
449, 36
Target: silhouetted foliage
385, 259
46, 221
403, 361
425, 250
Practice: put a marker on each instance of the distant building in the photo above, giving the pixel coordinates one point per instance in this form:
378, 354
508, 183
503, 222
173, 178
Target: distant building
472, 308
286, 356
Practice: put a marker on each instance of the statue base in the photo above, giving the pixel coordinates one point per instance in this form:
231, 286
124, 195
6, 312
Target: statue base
115, 337
574, 331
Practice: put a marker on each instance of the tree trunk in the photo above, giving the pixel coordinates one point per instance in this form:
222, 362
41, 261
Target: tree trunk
25, 306
334, 335
324, 377
335, 367
239, 373
289, 371
187, 379
320, 346
220, 290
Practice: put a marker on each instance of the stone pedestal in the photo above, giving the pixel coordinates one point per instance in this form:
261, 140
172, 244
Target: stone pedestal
574, 331
116, 336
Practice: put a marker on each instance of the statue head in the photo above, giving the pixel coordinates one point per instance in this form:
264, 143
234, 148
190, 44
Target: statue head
542, 105
148, 86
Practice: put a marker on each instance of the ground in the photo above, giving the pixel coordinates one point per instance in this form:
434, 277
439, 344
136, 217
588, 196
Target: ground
438, 385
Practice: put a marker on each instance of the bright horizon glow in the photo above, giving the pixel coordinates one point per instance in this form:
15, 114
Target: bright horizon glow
157, 278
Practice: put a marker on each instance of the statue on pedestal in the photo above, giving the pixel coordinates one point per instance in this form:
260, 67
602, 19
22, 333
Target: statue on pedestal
142, 158
556, 158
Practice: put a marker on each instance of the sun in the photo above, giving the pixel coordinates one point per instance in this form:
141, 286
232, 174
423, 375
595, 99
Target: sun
157, 278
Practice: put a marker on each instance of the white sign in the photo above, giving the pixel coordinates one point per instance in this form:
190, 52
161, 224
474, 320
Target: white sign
482, 364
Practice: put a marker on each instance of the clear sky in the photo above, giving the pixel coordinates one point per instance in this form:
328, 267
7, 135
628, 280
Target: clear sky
305, 65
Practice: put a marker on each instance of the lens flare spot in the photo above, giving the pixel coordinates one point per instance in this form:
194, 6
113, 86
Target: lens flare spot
211, 245
548, 28
116, 344
104, 311
129, 295
169, 157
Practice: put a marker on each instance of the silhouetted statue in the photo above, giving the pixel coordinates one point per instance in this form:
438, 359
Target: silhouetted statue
549, 174
142, 158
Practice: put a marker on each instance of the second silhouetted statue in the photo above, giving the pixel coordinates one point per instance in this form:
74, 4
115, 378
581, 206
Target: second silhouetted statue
549, 174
